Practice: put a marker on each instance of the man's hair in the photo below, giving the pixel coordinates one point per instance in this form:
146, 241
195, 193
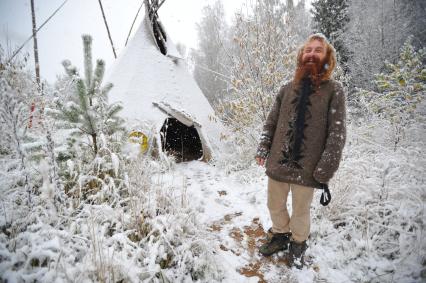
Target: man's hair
330, 55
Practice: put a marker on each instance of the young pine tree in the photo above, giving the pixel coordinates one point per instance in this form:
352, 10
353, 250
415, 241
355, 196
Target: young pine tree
88, 111
93, 130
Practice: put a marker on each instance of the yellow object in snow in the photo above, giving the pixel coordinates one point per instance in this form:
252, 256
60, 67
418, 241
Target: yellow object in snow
140, 138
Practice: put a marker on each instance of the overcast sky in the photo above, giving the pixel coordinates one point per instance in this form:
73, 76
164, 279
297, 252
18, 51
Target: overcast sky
61, 37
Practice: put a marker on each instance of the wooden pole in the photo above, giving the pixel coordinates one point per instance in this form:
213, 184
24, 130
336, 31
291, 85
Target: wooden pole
36, 61
37, 64
106, 25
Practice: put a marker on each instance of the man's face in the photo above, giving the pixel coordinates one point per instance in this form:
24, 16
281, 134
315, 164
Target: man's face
313, 53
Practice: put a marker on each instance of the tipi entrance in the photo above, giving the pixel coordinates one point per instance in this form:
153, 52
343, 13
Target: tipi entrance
181, 141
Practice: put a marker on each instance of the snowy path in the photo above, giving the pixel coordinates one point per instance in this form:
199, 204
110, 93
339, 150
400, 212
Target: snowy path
237, 217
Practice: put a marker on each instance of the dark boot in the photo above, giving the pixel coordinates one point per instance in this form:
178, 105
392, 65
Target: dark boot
277, 242
296, 254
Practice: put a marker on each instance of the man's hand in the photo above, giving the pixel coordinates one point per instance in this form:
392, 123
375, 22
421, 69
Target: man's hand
260, 161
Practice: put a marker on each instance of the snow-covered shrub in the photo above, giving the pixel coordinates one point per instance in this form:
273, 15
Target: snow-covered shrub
29, 191
374, 225
14, 118
151, 235
20, 146
400, 92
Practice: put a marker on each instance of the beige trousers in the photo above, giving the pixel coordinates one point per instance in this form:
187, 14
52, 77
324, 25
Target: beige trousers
300, 221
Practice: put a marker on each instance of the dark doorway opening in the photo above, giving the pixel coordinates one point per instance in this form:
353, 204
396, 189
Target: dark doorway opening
181, 141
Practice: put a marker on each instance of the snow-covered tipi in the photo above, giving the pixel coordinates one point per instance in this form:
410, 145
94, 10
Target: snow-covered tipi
154, 86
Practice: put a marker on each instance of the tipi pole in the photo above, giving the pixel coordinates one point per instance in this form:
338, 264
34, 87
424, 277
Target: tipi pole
134, 20
106, 25
159, 5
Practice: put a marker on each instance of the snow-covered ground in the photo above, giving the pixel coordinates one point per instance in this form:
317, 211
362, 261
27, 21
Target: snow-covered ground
233, 207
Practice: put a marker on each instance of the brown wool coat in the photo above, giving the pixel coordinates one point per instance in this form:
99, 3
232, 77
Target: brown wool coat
324, 135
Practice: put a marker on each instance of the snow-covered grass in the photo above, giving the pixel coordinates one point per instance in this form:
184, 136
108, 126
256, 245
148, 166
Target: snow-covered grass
150, 234
374, 228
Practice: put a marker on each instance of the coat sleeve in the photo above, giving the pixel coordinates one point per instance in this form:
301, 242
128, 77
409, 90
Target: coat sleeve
269, 127
336, 138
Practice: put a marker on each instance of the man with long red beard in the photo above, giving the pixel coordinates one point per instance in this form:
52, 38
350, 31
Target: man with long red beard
302, 143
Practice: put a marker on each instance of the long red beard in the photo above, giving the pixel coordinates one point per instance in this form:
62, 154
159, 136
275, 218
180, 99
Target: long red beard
312, 71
